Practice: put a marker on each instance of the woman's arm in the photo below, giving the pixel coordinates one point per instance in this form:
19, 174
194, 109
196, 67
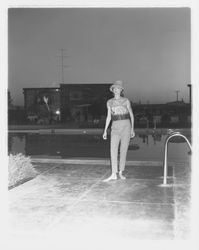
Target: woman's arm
131, 117
108, 119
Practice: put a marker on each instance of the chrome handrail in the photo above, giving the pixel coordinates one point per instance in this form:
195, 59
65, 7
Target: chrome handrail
166, 153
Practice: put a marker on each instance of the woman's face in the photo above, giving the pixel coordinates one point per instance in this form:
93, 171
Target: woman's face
117, 90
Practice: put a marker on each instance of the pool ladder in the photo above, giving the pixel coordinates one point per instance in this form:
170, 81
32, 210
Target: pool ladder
173, 134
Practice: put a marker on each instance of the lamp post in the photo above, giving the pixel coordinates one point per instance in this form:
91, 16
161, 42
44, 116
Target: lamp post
189, 85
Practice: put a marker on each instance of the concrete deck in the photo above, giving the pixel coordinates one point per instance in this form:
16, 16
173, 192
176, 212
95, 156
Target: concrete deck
72, 201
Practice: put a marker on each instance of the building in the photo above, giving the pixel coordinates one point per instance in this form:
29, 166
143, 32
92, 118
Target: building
162, 114
83, 102
174, 119
157, 119
41, 111
69, 102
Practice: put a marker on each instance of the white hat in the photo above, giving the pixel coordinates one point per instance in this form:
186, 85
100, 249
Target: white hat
117, 83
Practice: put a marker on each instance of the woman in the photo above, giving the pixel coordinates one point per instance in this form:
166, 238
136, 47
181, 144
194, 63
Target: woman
120, 112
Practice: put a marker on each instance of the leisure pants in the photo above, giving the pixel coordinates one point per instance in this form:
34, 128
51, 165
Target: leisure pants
120, 136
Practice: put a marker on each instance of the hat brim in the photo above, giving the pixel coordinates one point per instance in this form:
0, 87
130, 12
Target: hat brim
115, 86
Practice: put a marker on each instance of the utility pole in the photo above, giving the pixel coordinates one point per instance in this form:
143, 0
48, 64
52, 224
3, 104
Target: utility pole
62, 65
62, 56
177, 91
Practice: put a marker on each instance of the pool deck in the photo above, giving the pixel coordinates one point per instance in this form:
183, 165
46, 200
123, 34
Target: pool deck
72, 202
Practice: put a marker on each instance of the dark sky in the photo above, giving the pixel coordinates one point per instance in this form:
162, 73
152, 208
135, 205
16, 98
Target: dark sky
147, 48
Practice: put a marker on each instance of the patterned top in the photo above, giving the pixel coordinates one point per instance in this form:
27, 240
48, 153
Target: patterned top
118, 107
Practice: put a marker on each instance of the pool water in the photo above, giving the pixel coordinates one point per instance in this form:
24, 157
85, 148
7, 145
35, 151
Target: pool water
146, 145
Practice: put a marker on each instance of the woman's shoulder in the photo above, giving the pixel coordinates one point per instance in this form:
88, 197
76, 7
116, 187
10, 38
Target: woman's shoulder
125, 100
110, 101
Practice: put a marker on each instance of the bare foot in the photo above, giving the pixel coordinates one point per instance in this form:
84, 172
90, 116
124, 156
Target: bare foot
112, 177
122, 177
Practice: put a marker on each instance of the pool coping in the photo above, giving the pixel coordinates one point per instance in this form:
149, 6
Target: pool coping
87, 130
105, 162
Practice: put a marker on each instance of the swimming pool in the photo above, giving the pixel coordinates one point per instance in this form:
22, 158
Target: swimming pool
148, 145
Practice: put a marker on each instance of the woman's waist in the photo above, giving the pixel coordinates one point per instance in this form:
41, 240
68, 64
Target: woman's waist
117, 117
121, 125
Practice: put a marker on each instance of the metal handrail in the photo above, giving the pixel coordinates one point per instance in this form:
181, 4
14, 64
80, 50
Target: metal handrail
166, 153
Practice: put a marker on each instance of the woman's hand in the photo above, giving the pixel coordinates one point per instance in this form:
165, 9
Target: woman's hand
104, 135
132, 133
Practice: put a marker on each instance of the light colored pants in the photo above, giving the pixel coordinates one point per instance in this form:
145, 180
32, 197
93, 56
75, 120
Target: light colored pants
120, 135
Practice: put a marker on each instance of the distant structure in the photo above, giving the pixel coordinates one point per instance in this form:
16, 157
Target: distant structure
62, 64
42, 105
69, 102
164, 115
177, 91
84, 104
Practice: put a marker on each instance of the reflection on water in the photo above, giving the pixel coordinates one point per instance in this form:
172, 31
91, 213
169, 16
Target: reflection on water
145, 146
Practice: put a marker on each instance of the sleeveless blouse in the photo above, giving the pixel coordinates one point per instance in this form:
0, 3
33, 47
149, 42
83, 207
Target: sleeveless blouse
118, 107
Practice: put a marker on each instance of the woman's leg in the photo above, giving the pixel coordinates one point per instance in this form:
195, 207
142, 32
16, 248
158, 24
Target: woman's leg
125, 139
115, 140
114, 144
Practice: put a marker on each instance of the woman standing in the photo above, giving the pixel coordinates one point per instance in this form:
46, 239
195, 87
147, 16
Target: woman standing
120, 112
